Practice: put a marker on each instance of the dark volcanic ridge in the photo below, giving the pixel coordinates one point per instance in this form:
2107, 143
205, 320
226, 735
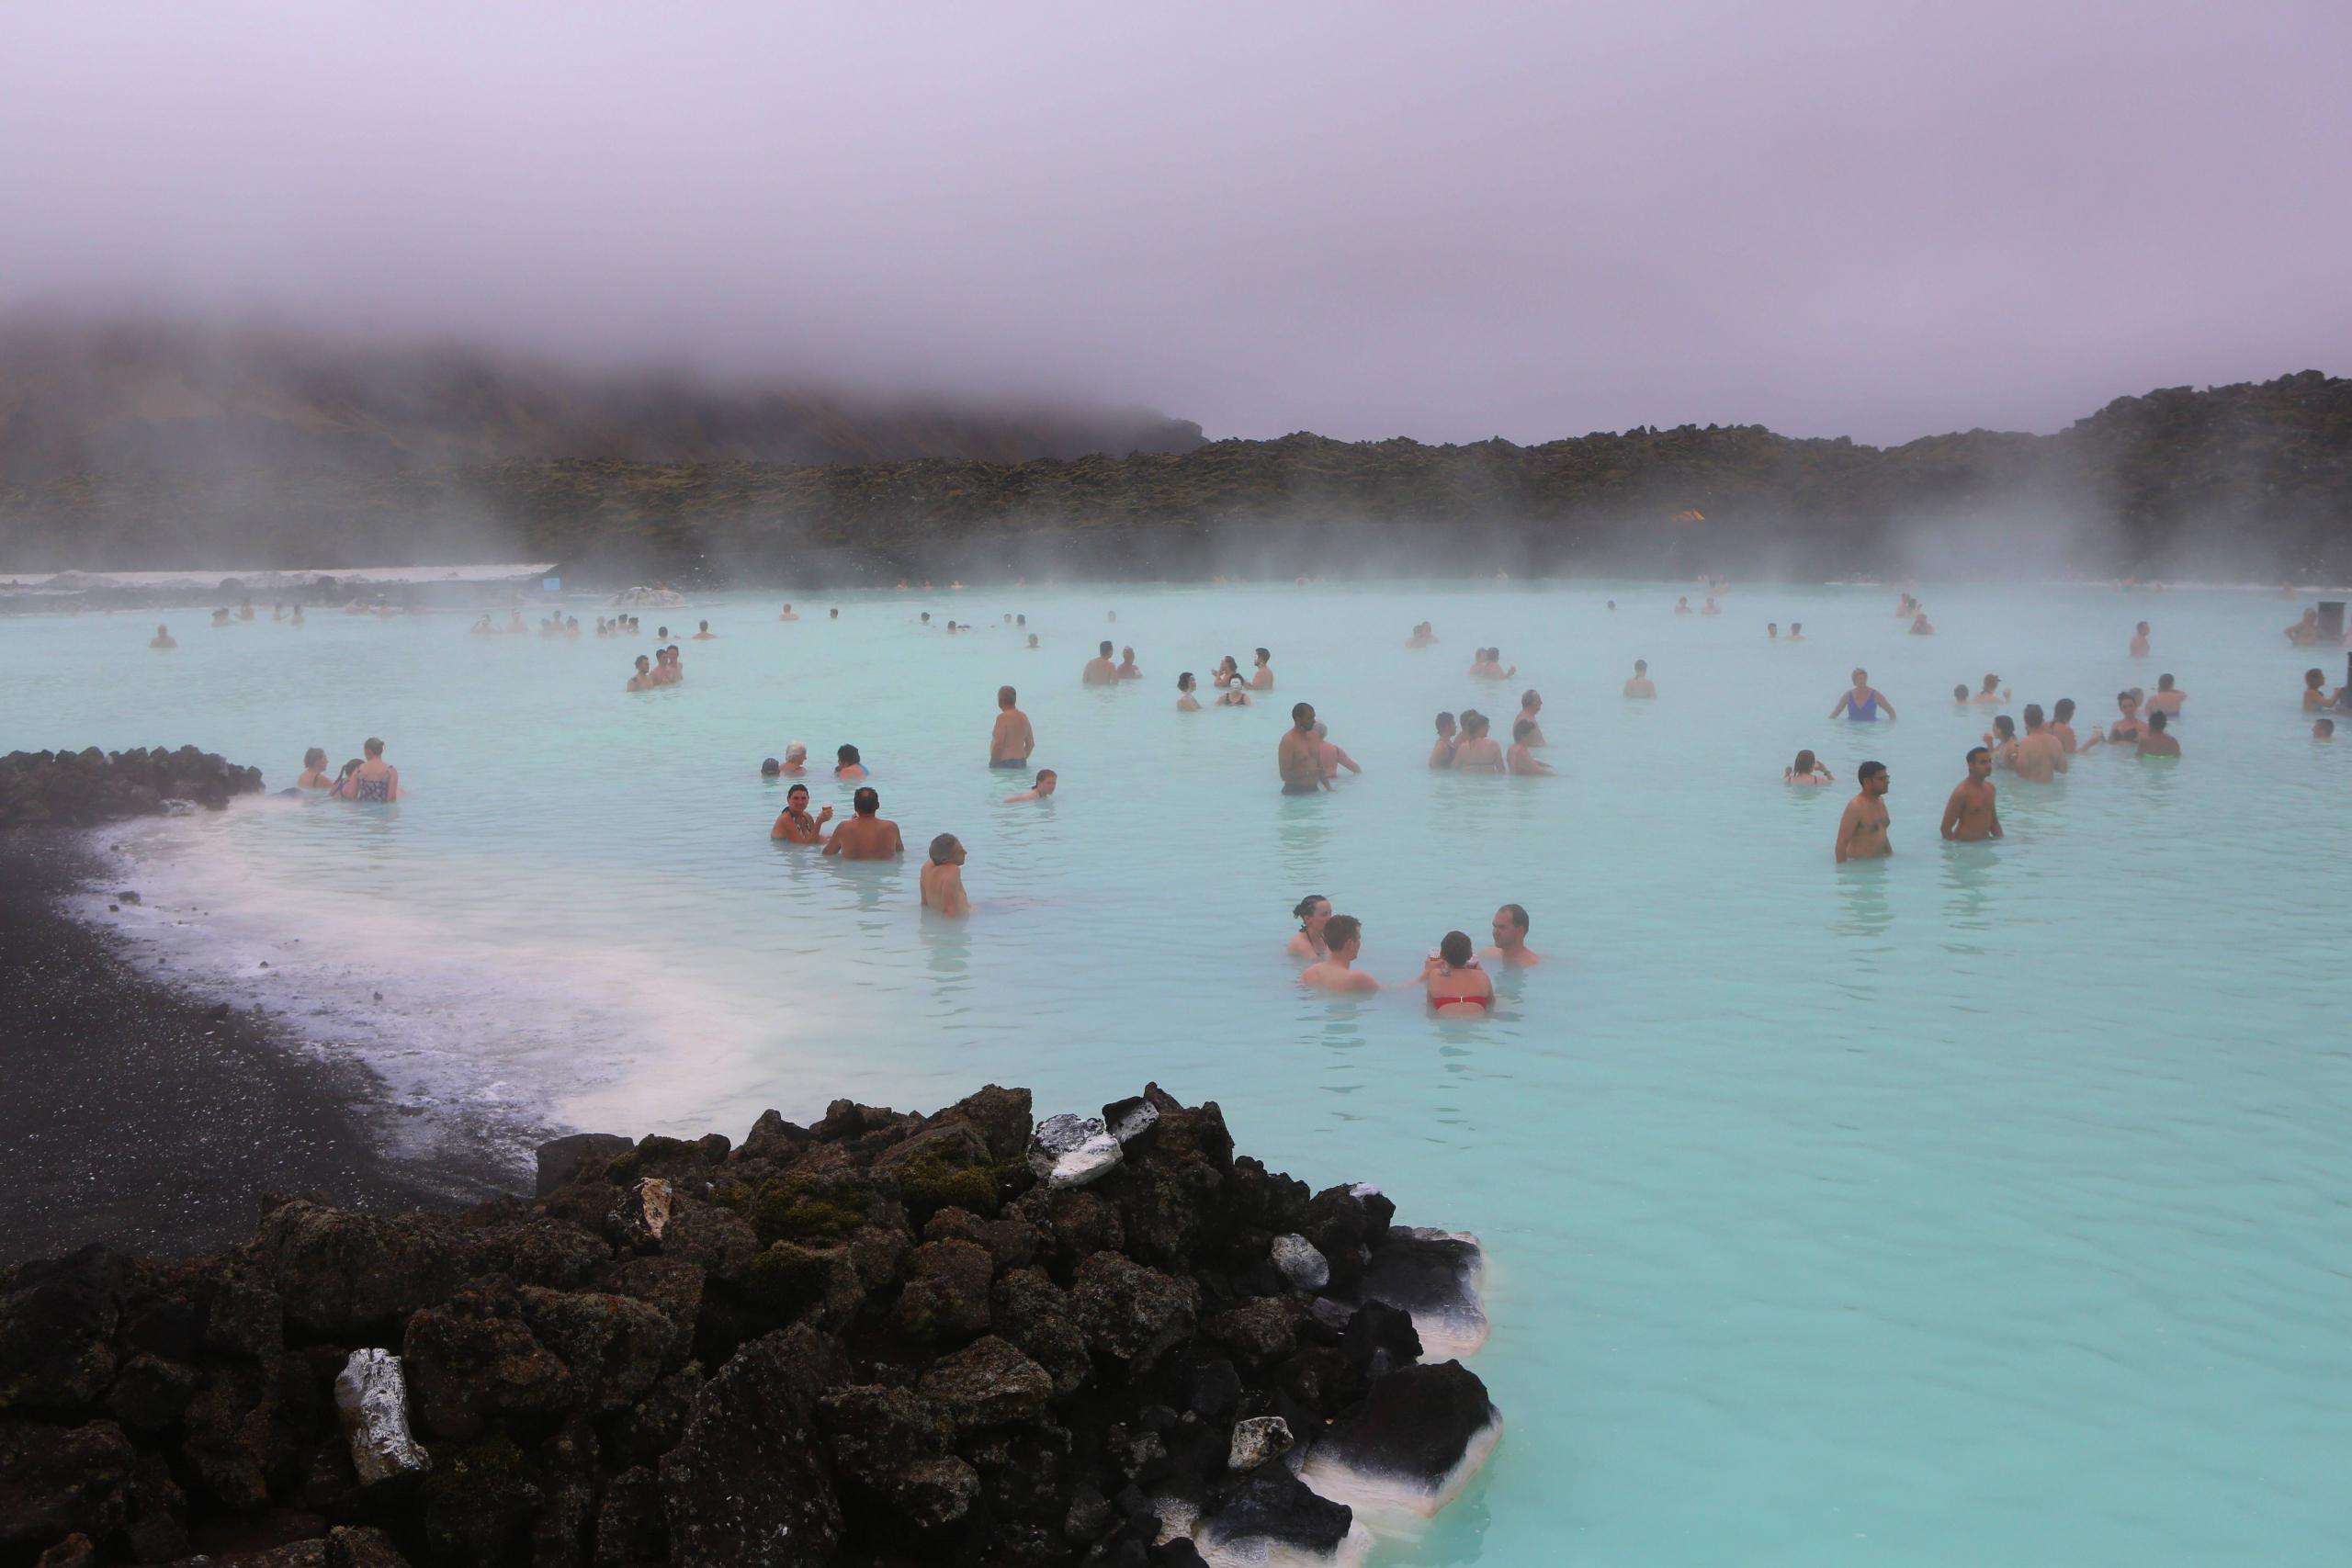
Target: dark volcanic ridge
888, 1337
2252, 481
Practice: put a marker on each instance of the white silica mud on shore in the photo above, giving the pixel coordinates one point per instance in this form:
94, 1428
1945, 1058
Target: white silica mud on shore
1829, 1210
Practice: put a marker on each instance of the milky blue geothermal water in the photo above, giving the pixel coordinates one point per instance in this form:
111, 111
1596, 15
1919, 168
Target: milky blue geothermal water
1988, 1205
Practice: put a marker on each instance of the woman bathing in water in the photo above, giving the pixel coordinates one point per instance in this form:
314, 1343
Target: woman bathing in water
1311, 912
1476, 752
342, 788
2126, 729
2003, 739
1807, 770
1456, 987
315, 770
1236, 693
847, 764
794, 824
1863, 702
2062, 724
2315, 693
1185, 701
1441, 754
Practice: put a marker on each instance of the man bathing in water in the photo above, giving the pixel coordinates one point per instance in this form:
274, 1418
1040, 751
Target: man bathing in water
943, 877
2041, 756
1477, 751
1862, 833
1531, 703
643, 680
1422, 636
847, 763
1342, 941
2140, 641
794, 824
1128, 669
1263, 679
1046, 781
1510, 939
865, 835
1993, 691
2323, 729
1100, 671
1011, 741
1328, 753
2153, 742
1971, 815
1640, 685
1863, 702
796, 758
2166, 698
1299, 756
704, 634
162, 637
1806, 770
1185, 701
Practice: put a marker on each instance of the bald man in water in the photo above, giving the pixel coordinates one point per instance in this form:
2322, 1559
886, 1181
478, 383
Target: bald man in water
1971, 814
2041, 756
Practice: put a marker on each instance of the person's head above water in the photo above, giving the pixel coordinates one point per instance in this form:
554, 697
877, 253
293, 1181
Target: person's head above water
1510, 926
796, 796
1455, 948
866, 801
1263, 656
1004, 696
846, 756
1185, 682
2163, 683
315, 758
2033, 716
704, 625
643, 664
1530, 699
1520, 728
1046, 779
2323, 729
1342, 935
1641, 666
1806, 762
2314, 679
926, 617
1445, 724
1107, 650
1033, 639
2158, 722
947, 850
1992, 682
1303, 715
770, 767
2063, 712
1322, 730
1871, 774
1862, 679
2005, 727
2126, 701
796, 751
373, 747
1979, 760
1127, 654
1311, 912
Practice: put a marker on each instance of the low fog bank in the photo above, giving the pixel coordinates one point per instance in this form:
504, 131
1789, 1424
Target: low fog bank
2248, 482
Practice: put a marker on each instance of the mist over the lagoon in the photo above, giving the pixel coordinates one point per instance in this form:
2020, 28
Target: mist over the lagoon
1515, 220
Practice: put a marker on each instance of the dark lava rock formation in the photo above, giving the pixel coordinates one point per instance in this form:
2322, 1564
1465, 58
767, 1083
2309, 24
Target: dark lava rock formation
82, 789
885, 1338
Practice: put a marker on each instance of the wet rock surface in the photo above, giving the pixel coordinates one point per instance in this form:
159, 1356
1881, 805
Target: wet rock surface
82, 789
884, 1337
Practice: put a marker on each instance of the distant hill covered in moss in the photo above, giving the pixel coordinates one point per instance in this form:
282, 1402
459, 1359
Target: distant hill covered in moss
2252, 481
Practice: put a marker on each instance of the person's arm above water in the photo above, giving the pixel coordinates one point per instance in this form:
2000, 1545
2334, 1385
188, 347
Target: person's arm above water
833, 843
1883, 701
1845, 701
1846, 826
1951, 812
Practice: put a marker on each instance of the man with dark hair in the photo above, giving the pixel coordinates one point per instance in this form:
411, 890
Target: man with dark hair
1441, 754
1862, 833
1299, 756
1971, 815
1100, 671
865, 835
2153, 742
1012, 740
2041, 756
1343, 940
1511, 938
1263, 679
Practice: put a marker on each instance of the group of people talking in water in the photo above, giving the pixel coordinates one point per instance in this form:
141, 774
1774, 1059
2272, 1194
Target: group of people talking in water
1453, 977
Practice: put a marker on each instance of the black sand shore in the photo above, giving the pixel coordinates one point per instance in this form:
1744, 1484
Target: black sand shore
136, 1115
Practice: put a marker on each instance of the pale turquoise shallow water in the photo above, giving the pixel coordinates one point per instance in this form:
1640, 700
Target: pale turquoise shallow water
1988, 1205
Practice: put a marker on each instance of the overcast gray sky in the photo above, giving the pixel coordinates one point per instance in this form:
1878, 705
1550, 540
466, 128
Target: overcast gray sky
1447, 221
